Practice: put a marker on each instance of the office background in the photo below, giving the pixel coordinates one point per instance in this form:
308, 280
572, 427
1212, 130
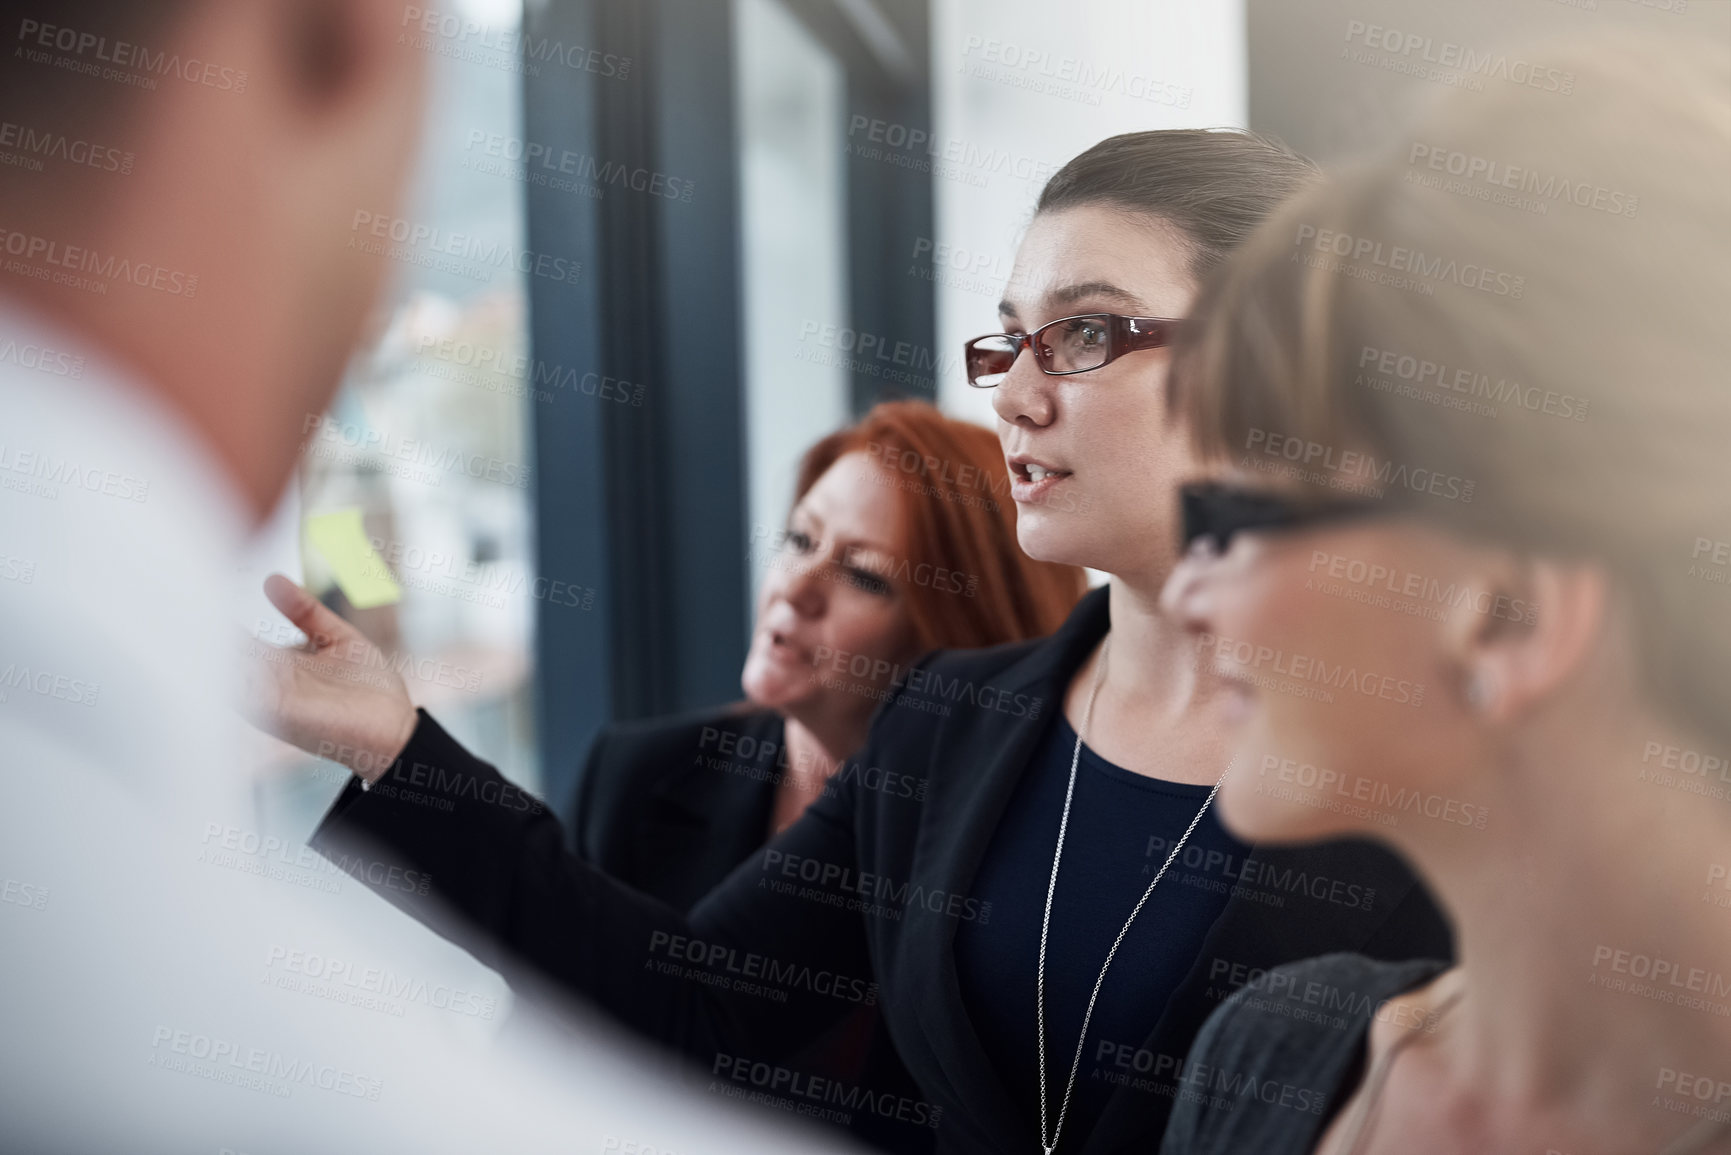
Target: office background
656, 247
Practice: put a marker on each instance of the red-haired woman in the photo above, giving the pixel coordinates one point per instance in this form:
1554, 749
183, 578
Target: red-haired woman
900, 542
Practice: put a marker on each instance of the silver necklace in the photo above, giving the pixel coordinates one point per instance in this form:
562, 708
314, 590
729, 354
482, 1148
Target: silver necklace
1046, 919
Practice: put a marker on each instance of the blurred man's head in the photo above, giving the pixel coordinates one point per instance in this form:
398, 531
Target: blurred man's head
179, 182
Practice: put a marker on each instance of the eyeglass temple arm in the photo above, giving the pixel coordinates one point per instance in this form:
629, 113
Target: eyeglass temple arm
1130, 334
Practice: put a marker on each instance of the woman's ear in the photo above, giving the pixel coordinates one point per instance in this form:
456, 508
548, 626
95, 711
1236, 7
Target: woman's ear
1529, 626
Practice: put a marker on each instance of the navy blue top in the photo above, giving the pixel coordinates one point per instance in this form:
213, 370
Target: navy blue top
1122, 827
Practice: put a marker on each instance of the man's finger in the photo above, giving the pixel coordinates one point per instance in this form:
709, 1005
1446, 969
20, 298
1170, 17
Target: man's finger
309, 615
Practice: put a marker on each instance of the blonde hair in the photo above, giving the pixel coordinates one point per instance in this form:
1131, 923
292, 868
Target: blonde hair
1575, 277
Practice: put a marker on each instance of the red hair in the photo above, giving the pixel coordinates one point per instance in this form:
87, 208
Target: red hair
952, 484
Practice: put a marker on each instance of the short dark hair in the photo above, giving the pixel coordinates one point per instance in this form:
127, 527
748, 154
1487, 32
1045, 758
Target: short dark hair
1214, 185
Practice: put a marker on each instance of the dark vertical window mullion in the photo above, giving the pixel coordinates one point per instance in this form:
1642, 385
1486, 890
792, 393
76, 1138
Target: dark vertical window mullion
573, 649
702, 327
633, 343
650, 501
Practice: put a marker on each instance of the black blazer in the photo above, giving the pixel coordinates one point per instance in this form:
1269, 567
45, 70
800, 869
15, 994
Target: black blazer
670, 805
867, 888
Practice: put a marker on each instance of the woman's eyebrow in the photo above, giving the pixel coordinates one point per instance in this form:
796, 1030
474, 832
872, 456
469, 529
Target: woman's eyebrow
1064, 296
1095, 291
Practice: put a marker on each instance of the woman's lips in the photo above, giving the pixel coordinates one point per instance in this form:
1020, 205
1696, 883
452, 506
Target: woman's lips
1032, 481
781, 648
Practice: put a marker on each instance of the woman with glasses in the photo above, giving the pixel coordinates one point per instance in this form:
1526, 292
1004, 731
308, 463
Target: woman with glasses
1549, 566
1050, 912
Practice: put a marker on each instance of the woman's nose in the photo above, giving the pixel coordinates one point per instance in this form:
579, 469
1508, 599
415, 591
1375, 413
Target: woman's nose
800, 583
1024, 396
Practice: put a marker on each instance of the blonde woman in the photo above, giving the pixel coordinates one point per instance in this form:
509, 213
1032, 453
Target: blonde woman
1551, 572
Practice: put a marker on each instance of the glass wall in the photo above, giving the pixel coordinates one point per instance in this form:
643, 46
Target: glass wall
791, 96
425, 455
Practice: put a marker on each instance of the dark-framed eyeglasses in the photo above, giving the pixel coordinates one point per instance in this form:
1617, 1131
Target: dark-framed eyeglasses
1213, 511
1067, 345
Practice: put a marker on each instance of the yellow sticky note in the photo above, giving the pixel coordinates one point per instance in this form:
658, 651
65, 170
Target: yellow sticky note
360, 572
